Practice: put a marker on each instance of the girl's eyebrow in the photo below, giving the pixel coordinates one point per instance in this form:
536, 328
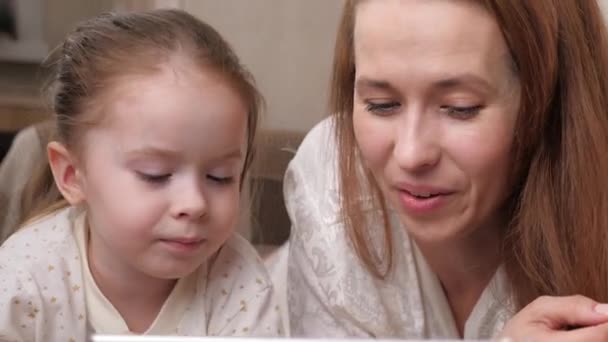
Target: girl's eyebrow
150, 151
232, 154
168, 154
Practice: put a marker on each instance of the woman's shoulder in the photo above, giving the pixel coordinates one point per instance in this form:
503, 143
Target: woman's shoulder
312, 195
317, 148
311, 182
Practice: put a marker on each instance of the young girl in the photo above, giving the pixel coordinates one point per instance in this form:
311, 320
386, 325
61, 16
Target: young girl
155, 123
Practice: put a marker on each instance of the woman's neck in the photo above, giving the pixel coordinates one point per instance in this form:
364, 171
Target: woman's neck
464, 268
137, 297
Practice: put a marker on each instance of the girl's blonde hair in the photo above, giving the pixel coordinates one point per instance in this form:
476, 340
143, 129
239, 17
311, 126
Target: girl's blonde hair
101, 50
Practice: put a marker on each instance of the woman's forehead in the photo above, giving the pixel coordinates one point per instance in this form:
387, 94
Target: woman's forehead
439, 38
427, 24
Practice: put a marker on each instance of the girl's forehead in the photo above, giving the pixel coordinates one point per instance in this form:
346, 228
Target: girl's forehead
183, 112
169, 92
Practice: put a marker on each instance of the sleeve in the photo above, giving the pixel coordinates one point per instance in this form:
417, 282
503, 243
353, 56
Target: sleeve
36, 302
241, 296
309, 312
19, 308
312, 278
22, 308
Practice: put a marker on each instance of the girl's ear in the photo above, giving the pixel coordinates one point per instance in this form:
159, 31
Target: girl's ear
66, 172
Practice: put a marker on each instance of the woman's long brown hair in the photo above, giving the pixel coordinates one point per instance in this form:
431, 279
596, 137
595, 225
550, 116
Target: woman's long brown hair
557, 239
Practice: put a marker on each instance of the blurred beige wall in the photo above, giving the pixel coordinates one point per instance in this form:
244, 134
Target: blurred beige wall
604, 6
63, 15
287, 45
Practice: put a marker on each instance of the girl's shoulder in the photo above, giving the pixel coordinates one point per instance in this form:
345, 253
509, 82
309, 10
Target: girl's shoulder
43, 246
41, 281
50, 232
239, 297
238, 261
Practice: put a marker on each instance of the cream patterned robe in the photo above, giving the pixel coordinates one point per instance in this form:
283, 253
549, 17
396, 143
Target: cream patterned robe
330, 293
42, 294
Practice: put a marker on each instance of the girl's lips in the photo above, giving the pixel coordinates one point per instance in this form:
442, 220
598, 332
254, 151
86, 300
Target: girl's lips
183, 245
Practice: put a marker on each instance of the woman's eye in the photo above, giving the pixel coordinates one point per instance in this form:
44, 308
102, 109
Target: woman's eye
461, 112
382, 108
154, 178
220, 180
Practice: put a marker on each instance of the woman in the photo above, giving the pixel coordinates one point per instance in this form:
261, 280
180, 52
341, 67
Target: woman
462, 176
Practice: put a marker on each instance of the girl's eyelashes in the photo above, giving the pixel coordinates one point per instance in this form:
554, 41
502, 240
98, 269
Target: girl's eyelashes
153, 178
163, 178
221, 180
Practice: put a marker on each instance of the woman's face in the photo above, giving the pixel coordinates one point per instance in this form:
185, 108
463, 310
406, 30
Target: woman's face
435, 104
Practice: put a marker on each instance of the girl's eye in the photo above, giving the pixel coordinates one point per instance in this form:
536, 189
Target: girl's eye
154, 179
221, 180
462, 113
382, 108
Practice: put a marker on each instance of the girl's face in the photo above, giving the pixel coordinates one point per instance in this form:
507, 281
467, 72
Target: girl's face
435, 106
160, 174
